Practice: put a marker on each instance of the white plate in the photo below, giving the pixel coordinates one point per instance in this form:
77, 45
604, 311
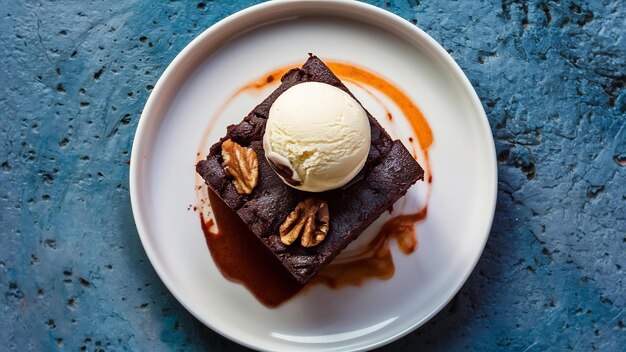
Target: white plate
245, 46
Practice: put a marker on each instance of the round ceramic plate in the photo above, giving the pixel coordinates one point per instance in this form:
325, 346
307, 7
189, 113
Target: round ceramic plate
243, 47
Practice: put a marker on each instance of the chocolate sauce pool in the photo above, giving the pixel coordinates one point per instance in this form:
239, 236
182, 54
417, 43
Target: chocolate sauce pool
242, 258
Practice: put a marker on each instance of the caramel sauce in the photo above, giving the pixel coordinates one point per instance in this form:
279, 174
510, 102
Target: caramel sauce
375, 260
270, 78
235, 249
355, 74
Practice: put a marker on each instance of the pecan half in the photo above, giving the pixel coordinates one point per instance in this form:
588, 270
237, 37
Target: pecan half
310, 219
242, 164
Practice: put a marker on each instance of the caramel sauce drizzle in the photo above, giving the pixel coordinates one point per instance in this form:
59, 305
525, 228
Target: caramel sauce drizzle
375, 259
420, 125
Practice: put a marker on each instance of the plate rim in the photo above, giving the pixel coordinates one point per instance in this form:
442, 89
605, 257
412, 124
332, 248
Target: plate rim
175, 67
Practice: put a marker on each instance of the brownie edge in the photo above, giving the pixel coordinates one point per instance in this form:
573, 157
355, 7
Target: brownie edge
389, 172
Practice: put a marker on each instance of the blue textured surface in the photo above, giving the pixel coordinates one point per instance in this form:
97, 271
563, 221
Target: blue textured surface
75, 75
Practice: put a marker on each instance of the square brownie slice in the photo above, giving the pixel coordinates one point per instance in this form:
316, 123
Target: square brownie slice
389, 172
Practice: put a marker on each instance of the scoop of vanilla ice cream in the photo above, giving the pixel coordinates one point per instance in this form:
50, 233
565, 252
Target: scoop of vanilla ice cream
317, 137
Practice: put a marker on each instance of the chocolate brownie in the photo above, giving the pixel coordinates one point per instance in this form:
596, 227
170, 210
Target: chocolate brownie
388, 173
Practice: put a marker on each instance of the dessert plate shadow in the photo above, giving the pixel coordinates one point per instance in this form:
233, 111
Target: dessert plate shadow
246, 45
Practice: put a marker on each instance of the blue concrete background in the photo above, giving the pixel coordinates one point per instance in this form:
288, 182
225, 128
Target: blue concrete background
75, 75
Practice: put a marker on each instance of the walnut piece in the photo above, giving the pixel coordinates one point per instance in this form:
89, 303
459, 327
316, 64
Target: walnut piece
310, 219
242, 164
